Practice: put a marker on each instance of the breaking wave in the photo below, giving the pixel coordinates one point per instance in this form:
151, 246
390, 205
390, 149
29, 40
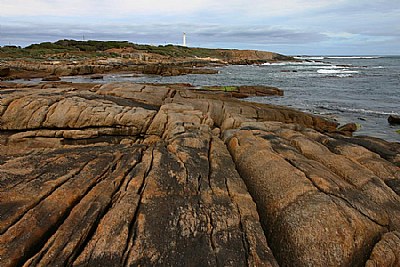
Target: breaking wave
336, 71
353, 57
293, 63
335, 57
310, 58
357, 110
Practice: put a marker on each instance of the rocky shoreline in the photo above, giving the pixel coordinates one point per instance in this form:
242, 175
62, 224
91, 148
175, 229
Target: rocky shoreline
125, 174
69, 58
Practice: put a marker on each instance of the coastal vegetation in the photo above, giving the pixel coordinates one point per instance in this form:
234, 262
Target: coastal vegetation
98, 48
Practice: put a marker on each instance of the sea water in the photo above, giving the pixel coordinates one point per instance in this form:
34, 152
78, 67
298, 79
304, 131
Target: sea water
364, 90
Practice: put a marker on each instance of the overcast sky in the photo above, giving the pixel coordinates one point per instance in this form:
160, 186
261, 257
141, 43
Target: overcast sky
313, 27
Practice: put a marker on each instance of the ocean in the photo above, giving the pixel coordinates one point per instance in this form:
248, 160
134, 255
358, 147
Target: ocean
364, 90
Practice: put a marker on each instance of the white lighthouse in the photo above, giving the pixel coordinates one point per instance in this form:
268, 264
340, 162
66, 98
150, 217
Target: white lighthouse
184, 39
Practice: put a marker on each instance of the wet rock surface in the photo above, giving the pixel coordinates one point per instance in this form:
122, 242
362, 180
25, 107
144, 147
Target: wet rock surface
394, 119
132, 174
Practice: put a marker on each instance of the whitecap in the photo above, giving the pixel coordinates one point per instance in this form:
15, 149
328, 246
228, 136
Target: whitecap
336, 71
344, 75
293, 63
280, 64
330, 67
361, 110
358, 110
310, 58
353, 57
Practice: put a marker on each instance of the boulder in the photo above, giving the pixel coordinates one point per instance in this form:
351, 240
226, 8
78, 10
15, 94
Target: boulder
296, 182
349, 128
394, 119
386, 252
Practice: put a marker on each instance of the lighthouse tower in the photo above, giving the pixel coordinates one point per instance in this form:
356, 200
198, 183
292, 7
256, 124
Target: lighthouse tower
184, 39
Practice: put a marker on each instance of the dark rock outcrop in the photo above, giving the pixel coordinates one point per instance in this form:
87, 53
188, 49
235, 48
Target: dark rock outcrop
4, 72
394, 119
132, 174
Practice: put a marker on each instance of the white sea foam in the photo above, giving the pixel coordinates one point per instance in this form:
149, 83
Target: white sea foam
336, 71
352, 57
310, 58
344, 75
361, 110
281, 63
358, 110
330, 67
293, 63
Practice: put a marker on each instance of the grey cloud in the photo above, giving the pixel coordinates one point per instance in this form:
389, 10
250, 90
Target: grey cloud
352, 7
362, 17
256, 34
157, 33
278, 39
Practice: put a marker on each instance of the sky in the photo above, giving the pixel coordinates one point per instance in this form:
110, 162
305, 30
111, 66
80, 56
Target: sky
291, 27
